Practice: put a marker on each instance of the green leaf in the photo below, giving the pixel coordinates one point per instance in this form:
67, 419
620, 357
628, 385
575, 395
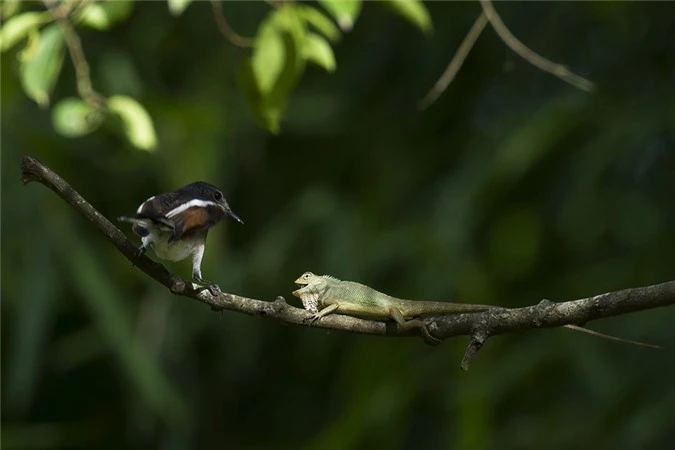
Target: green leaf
41, 66
9, 7
137, 122
18, 28
267, 94
73, 117
176, 7
103, 15
320, 22
269, 56
414, 11
319, 51
267, 115
344, 11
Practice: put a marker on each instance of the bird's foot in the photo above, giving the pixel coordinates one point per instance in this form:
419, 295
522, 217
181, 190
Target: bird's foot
138, 253
210, 285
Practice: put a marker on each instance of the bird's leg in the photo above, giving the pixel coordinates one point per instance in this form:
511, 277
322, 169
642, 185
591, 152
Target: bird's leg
197, 272
405, 325
210, 285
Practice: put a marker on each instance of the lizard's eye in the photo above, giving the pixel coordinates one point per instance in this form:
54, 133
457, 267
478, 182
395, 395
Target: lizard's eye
217, 195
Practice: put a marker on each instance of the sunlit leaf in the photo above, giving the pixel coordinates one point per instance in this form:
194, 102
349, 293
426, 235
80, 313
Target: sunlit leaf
138, 125
414, 11
268, 99
9, 7
41, 67
319, 21
103, 15
268, 56
319, 51
344, 11
18, 28
176, 7
73, 117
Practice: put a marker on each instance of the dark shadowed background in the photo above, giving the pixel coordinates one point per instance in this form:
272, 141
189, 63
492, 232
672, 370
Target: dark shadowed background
513, 187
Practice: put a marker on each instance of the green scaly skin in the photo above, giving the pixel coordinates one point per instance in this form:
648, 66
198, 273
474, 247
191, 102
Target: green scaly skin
324, 295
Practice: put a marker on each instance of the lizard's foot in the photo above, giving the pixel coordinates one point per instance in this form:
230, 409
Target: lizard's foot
310, 320
428, 338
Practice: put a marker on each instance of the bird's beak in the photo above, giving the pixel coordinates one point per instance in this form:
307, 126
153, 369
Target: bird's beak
231, 213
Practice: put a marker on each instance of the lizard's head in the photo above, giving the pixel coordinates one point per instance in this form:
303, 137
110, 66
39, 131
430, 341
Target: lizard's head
311, 286
308, 279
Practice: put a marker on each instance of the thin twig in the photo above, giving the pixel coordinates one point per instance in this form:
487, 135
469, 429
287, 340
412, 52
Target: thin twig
225, 28
84, 85
477, 325
525, 52
456, 62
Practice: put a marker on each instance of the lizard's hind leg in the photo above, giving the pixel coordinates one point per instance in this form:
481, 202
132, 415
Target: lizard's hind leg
406, 325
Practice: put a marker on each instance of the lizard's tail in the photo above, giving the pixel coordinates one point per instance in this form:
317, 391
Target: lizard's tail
607, 336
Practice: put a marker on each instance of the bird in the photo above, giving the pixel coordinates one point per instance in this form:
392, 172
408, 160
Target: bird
175, 224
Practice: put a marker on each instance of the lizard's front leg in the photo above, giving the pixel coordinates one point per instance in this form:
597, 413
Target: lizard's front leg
405, 325
324, 312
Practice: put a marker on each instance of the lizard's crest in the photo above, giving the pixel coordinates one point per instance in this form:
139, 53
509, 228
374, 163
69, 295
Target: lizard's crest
330, 277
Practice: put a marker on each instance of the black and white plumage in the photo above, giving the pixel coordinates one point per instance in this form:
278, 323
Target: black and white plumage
175, 224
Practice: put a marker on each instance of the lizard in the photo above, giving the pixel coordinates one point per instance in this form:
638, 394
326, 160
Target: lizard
324, 294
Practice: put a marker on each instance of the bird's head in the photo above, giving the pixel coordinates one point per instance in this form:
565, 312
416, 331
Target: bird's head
209, 193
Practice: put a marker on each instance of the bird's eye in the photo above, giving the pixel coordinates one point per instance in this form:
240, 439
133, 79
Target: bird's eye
217, 195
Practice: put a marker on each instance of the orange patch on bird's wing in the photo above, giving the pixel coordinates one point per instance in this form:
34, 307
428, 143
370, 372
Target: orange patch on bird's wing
189, 220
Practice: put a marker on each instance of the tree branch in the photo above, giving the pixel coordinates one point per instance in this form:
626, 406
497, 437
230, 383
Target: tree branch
479, 326
82, 72
526, 53
225, 28
456, 62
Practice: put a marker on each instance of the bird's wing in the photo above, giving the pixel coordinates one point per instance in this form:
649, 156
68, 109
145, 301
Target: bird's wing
191, 221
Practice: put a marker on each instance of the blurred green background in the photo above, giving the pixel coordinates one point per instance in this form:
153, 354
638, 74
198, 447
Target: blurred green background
513, 187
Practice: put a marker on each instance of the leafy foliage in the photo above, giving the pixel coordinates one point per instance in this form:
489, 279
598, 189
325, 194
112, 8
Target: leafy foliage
282, 46
511, 188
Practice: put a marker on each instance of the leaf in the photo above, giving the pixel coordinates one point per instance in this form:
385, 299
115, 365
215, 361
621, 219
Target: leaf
318, 20
414, 11
103, 15
344, 11
41, 66
268, 98
319, 51
176, 7
18, 28
268, 57
73, 117
9, 7
137, 122
267, 115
